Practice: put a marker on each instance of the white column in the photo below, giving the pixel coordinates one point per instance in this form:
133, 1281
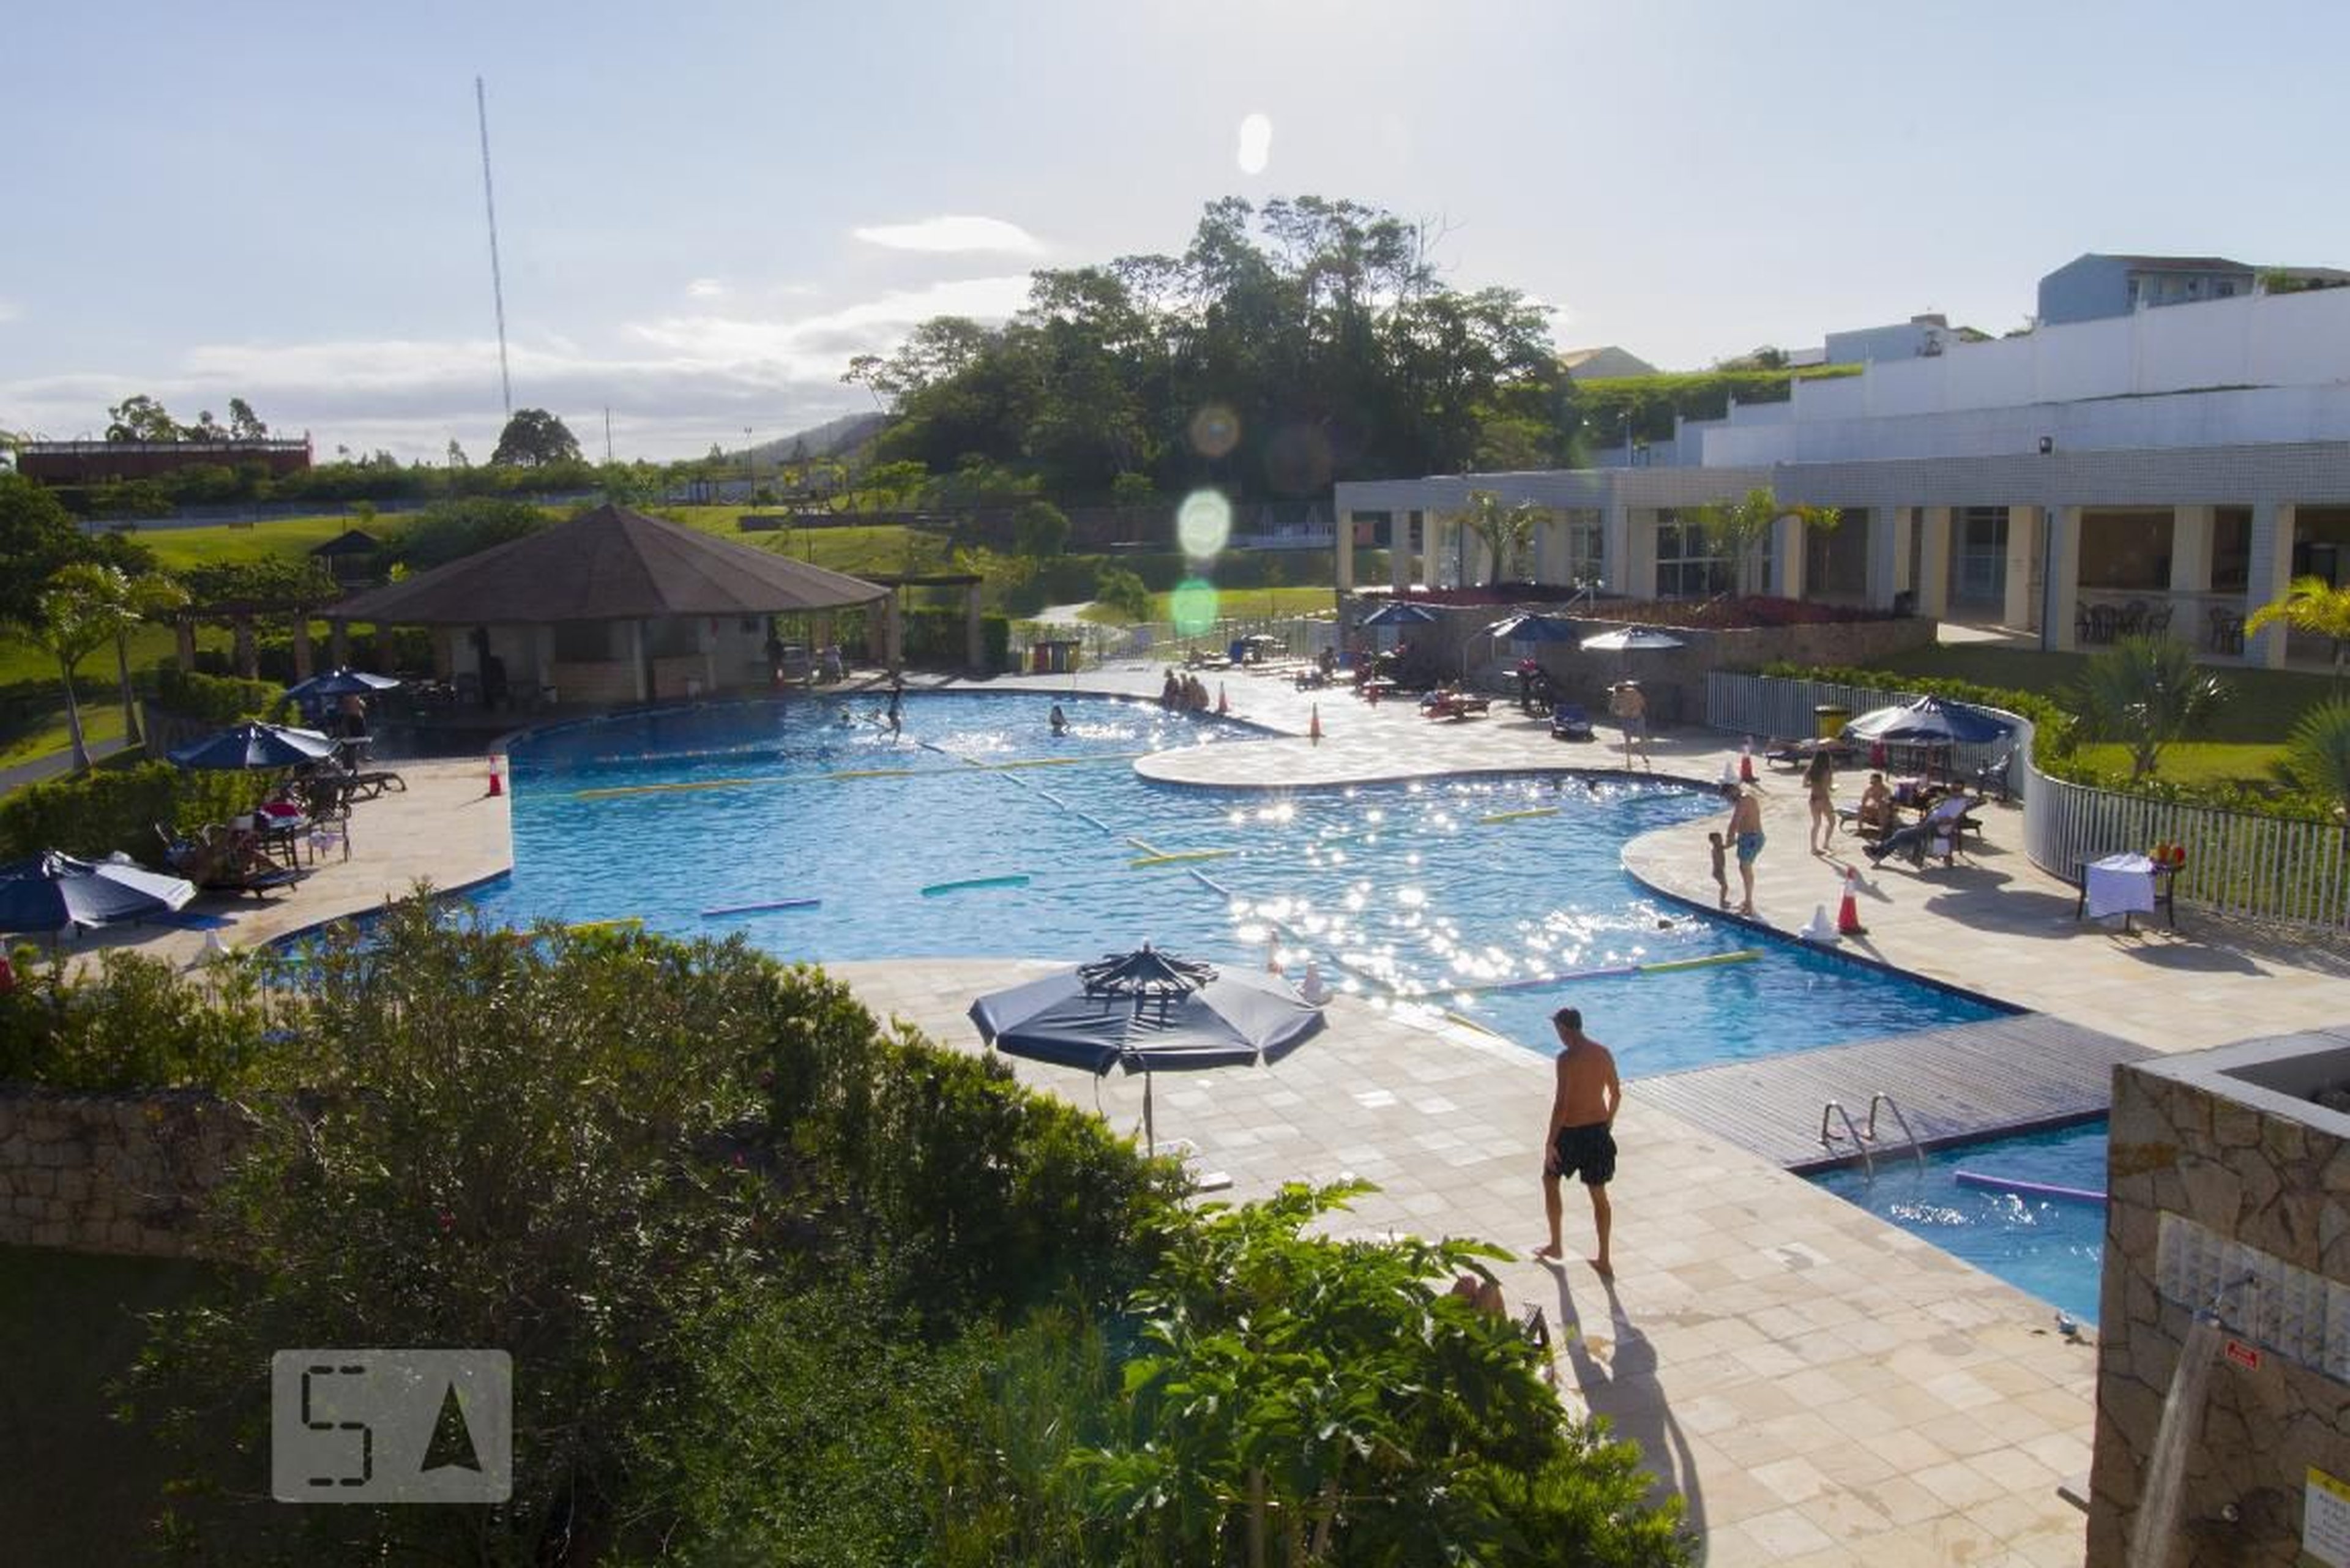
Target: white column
2270, 578
1888, 554
1342, 571
1934, 561
2190, 550
637, 659
1790, 539
1434, 533
2022, 556
1616, 545
1639, 553
1550, 535
2060, 591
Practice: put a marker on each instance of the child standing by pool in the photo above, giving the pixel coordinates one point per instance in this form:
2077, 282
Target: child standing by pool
1720, 866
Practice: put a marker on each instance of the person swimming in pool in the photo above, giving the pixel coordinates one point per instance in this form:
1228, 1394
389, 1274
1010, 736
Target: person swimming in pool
1746, 835
1060, 721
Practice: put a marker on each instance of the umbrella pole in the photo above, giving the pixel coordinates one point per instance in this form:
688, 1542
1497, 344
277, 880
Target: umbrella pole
1149, 1136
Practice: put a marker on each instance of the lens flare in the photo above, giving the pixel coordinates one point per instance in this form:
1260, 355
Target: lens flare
1193, 606
1257, 143
1203, 525
1215, 429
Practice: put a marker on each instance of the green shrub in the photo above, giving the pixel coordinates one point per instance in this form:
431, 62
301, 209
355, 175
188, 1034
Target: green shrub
215, 699
2052, 725
939, 639
131, 1022
112, 809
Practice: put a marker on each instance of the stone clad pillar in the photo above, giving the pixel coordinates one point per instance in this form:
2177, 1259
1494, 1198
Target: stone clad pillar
1434, 533
2190, 550
1888, 554
1934, 561
1399, 537
2023, 557
1343, 567
1616, 544
1790, 541
300, 626
2060, 592
2270, 578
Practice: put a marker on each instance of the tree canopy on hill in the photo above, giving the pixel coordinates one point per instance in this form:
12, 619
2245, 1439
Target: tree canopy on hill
1289, 345
1647, 405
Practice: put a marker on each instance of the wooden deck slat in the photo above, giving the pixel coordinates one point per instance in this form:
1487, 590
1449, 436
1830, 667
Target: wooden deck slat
1955, 1085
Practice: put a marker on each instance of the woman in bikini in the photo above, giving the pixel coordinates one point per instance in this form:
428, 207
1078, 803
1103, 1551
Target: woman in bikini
1819, 778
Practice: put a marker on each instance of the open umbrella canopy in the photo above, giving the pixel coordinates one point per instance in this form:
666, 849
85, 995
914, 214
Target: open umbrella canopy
1533, 628
1631, 639
340, 682
49, 892
1399, 612
1146, 1009
254, 746
1928, 722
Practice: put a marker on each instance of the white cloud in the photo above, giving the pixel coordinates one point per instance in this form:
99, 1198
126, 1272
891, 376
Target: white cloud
673, 384
705, 288
954, 234
9, 310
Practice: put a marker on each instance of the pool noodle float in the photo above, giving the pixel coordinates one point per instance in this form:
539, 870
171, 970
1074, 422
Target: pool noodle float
1144, 845
1210, 883
614, 924
1169, 859
1089, 816
1516, 815
1609, 971
2037, 1189
935, 888
1743, 955
761, 908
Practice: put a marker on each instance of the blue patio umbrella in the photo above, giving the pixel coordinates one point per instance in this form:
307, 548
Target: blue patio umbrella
338, 683
1147, 1010
1400, 612
254, 746
1928, 722
50, 892
1533, 628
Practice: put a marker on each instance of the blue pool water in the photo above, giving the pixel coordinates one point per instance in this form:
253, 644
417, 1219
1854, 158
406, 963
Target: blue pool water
2052, 1247
974, 831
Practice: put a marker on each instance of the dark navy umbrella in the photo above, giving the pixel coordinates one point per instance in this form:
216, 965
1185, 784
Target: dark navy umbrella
1928, 722
341, 682
1397, 612
1146, 1009
1530, 628
49, 892
254, 746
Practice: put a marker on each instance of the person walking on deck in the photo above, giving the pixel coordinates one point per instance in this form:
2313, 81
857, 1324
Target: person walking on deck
1582, 1139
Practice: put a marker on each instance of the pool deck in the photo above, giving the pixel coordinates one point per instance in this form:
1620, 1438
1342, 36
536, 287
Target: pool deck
1821, 1388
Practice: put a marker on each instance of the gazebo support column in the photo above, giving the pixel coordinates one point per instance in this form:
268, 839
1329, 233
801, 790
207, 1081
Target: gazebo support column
183, 643
339, 644
301, 627
241, 640
637, 661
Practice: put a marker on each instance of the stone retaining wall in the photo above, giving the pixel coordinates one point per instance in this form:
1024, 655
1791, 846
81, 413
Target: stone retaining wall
110, 1173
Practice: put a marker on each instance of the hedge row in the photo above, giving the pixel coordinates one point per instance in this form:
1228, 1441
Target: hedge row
115, 809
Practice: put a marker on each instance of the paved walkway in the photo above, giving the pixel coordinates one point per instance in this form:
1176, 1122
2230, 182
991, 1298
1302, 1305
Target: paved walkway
1821, 1388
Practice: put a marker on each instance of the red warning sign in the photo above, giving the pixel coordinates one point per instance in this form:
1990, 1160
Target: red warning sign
2243, 1355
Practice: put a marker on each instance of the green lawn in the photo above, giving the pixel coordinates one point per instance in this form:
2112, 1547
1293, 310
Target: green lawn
1234, 604
292, 538
80, 1487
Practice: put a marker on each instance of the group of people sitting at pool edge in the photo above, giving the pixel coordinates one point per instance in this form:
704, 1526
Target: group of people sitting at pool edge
1183, 694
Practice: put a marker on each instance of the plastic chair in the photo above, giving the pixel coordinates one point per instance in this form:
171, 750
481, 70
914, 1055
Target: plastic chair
1569, 722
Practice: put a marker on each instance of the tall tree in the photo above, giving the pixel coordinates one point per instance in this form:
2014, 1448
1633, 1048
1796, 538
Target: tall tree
147, 597
37, 536
244, 423
1505, 531
2314, 604
533, 438
140, 419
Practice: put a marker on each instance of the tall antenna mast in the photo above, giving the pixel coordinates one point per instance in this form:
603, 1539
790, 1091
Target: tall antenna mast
497, 282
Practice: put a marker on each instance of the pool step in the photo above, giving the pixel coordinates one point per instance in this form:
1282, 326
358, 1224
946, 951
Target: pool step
1959, 1083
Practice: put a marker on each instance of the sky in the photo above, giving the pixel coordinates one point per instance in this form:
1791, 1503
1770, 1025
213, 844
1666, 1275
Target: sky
705, 210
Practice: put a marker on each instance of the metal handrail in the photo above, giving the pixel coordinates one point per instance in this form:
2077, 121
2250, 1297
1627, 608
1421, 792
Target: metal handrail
1881, 1098
1828, 1137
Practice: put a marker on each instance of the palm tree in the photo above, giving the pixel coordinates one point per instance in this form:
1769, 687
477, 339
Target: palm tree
2317, 754
2313, 605
80, 608
2147, 693
147, 597
1738, 528
1504, 532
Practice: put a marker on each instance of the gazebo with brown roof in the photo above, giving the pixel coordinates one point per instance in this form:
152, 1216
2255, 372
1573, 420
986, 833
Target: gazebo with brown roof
613, 607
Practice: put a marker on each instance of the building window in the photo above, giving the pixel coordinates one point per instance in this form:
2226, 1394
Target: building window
1586, 549
1687, 567
2224, 290
1982, 554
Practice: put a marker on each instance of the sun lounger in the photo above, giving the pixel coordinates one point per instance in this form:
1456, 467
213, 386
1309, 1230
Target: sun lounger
1453, 705
1570, 722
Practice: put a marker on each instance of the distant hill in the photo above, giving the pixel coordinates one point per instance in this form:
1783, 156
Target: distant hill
829, 438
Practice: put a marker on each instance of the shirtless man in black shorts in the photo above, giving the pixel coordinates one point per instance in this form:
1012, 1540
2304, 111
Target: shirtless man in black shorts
1581, 1140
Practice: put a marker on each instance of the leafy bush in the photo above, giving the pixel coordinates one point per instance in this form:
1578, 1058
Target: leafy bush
450, 530
98, 812
2052, 725
215, 699
133, 1023
1040, 528
939, 639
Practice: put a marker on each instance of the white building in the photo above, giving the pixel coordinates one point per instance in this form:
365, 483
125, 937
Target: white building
2167, 470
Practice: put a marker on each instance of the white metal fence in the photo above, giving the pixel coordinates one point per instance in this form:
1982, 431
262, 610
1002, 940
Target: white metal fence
2237, 862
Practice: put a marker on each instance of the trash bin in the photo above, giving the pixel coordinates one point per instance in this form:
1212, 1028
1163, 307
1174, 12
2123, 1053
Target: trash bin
1829, 719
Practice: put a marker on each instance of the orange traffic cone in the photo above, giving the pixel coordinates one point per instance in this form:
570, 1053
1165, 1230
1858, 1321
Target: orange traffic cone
1848, 913
1746, 761
1222, 707
1314, 723
497, 784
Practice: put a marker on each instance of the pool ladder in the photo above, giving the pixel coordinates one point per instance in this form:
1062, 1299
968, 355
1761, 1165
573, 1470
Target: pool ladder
1864, 1137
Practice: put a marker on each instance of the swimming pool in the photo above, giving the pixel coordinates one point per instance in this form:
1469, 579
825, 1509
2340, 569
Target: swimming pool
2053, 1247
974, 831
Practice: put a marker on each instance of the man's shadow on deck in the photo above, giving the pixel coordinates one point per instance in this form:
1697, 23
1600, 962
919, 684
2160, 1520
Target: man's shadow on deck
1624, 1388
